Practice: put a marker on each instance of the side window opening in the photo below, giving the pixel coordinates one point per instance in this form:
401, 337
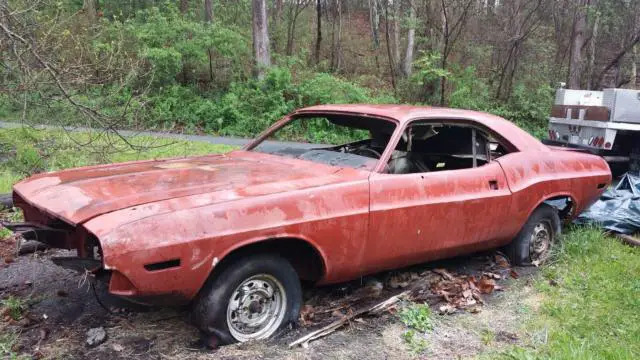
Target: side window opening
439, 147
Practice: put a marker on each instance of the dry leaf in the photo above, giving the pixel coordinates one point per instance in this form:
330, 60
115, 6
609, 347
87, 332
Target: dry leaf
514, 274
486, 285
444, 273
502, 261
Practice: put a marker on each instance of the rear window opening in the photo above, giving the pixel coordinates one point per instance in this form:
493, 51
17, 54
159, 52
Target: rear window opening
429, 147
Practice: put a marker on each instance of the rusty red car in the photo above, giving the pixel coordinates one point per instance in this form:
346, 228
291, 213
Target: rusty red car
233, 235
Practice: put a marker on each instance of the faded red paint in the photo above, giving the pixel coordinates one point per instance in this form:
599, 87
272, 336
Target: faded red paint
200, 209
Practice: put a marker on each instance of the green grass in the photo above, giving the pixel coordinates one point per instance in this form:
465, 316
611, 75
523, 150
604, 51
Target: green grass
591, 302
417, 317
26, 151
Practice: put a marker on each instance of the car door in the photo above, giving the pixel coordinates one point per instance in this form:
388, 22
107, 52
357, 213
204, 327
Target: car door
419, 217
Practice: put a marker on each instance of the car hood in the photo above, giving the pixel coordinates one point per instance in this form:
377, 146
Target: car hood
77, 195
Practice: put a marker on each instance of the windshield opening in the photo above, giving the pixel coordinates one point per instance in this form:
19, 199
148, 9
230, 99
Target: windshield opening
337, 140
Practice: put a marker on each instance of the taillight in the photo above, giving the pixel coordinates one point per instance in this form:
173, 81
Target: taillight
600, 141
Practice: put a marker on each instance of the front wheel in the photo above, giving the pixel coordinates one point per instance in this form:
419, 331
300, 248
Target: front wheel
533, 244
250, 299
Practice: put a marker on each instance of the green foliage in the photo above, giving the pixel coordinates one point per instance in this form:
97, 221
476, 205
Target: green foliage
7, 342
418, 317
415, 342
14, 307
173, 44
528, 108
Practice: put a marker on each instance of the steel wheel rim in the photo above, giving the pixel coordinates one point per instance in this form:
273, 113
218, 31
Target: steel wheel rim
541, 241
256, 308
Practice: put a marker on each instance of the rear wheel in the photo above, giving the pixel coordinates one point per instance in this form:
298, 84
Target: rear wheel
533, 244
250, 299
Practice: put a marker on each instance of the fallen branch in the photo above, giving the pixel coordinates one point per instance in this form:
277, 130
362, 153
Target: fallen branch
629, 240
373, 310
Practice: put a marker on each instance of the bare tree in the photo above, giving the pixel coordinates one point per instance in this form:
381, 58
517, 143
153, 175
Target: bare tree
278, 5
208, 18
634, 68
374, 20
454, 19
208, 11
579, 29
396, 35
184, 6
522, 20
392, 66
295, 9
336, 35
318, 31
260, 37
592, 51
90, 9
411, 35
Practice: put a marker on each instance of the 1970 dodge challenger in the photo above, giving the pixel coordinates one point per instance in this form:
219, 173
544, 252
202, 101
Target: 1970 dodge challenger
233, 235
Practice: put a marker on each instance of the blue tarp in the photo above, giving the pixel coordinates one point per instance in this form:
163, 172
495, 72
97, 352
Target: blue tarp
618, 209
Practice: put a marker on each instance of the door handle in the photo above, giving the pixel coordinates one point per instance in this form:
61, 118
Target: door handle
493, 185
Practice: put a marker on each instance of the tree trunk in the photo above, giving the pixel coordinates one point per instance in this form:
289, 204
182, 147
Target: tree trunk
277, 10
387, 37
633, 84
411, 35
260, 38
208, 18
89, 7
374, 19
318, 31
592, 52
396, 35
208, 11
575, 61
445, 52
184, 6
336, 37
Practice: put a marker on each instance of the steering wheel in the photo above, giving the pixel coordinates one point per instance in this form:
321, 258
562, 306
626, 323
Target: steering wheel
360, 152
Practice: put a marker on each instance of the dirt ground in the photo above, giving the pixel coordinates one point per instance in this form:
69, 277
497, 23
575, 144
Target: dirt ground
61, 307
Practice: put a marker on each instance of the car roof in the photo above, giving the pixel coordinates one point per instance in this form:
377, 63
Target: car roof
406, 113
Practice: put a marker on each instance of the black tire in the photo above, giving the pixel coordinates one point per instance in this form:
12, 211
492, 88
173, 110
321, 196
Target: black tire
211, 307
519, 250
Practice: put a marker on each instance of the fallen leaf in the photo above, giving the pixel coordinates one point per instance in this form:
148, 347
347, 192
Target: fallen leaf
307, 314
444, 273
502, 261
514, 274
492, 275
486, 285
117, 347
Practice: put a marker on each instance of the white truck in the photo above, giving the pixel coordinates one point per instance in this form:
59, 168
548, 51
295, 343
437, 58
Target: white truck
606, 123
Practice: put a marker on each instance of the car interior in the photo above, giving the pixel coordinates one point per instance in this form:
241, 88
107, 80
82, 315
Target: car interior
439, 147
424, 146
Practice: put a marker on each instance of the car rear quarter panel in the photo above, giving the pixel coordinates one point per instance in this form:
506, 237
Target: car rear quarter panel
334, 219
534, 177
